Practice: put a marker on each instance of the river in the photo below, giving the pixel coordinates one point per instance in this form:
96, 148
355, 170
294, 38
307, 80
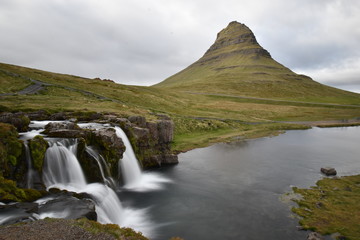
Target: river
232, 191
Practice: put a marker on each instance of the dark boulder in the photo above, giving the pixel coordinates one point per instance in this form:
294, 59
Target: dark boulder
69, 207
328, 171
19, 120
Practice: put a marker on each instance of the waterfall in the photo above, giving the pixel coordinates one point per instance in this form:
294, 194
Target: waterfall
134, 178
106, 176
129, 164
62, 170
30, 173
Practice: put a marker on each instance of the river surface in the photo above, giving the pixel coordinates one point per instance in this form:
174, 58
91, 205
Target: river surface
232, 191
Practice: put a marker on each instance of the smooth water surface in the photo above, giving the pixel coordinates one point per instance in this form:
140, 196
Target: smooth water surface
232, 191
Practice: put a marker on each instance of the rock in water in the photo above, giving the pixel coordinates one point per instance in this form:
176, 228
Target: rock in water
315, 236
328, 171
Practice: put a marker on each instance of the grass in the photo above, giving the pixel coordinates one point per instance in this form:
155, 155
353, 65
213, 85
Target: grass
112, 229
332, 206
11, 84
229, 115
191, 133
245, 69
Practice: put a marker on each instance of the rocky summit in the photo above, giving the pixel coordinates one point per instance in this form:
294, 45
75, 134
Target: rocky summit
236, 64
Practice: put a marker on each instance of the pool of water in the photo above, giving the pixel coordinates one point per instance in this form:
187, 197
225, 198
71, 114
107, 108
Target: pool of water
232, 191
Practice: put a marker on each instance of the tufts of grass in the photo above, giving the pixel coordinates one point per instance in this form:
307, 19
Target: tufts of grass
332, 206
112, 229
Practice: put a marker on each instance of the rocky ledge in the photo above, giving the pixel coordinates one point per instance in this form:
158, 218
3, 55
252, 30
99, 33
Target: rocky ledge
151, 141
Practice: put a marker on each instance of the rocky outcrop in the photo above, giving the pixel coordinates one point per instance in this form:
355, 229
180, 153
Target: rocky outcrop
65, 130
151, 140
328, 171
19, 120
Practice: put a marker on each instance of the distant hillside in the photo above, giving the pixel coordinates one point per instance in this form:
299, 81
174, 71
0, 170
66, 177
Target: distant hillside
236, 64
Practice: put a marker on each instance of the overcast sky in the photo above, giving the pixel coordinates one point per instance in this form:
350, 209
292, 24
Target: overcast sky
142, 42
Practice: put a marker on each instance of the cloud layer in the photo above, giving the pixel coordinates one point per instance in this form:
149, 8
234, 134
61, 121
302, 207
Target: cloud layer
142, 42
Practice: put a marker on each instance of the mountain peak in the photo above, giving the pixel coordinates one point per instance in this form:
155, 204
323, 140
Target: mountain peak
236, 64
236, 37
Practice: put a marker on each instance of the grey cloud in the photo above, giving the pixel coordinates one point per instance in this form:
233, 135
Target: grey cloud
142, 42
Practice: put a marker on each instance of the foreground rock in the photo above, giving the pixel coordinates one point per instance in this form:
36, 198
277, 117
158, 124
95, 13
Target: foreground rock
62, 203
68, 229
328, 171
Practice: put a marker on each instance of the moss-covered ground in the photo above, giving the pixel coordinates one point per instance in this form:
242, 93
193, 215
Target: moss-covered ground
332, 206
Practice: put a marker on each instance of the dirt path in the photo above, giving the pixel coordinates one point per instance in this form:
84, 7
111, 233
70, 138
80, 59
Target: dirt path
38, 85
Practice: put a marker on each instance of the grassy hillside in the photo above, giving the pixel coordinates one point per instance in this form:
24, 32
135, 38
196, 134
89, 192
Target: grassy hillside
206, 118
237, 65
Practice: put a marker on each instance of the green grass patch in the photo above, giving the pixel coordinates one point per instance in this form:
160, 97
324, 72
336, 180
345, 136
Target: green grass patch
112, 229
332, 206
11, 83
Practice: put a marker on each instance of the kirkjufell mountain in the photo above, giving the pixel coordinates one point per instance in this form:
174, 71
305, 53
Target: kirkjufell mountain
236, 64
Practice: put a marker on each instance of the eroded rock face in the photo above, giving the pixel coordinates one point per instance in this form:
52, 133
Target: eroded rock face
152, 143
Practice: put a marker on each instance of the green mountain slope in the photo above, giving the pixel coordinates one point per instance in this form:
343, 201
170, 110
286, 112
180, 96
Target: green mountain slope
237, 65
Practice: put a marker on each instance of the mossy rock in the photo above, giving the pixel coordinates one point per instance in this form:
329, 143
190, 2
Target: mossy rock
38, 147
11, 151
9, 192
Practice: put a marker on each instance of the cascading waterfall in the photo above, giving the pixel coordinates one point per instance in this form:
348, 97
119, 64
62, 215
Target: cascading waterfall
31, 172
129, 164
62, 170
105, 174
61, 167
134, 178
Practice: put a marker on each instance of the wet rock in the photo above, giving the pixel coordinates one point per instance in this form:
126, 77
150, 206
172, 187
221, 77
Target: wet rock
110, 146
170, 159
165, 159
38, 115
328, 171
19, 120
65, 130
58, 116
110, 141
315, 236
69, 207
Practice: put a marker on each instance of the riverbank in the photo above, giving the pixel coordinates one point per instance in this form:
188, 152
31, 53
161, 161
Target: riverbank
331, 207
